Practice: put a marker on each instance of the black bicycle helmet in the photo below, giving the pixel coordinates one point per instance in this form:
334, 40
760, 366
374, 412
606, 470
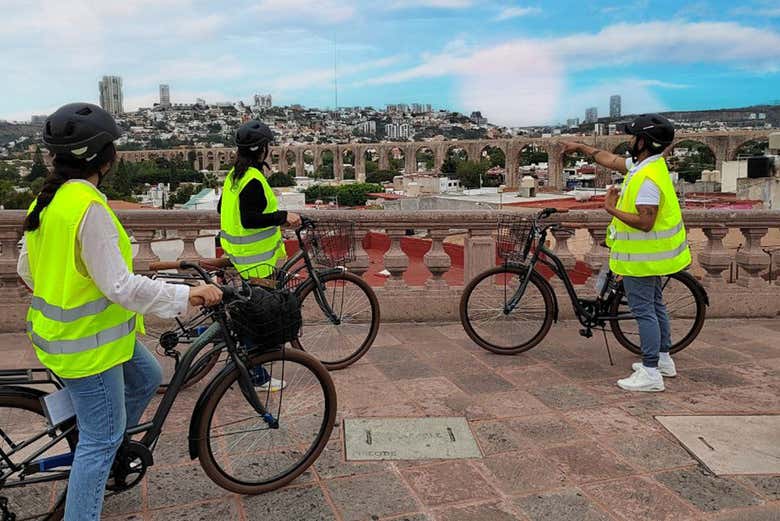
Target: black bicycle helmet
80, 130
656, 129
253, 134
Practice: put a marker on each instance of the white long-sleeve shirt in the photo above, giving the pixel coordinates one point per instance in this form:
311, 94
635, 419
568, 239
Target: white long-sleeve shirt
98, 242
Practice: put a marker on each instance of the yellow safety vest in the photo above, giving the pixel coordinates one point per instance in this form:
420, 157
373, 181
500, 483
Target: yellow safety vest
254, 252
75, 329
664, 249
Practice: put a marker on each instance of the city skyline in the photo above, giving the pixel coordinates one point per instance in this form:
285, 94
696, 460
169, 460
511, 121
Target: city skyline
518, 64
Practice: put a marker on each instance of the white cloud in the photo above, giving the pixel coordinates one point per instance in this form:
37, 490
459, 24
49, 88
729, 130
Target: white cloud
317, 11
516, 12
522, 81
445, 4
324, 77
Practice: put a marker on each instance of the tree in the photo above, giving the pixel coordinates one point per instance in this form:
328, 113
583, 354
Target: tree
39, 167
279, 179
380, 176
496, 157
449, 166
469, 173
349, 172
182, 195
9, 171
357, 194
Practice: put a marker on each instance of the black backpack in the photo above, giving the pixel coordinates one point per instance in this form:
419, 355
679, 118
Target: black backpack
269, 318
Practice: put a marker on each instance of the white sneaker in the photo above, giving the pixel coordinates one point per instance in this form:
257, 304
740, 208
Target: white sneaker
642, 381
667, 369
272, 385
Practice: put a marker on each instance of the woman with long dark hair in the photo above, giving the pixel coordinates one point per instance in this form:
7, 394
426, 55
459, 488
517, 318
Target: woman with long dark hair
250, 217
88, 306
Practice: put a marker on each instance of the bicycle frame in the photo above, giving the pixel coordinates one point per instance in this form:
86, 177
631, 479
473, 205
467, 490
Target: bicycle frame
596, 315
151, 430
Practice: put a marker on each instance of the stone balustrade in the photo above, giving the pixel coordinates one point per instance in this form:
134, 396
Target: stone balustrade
715, 237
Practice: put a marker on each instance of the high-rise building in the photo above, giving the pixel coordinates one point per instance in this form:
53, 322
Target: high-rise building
615, 106
397, 130
111, 94
366, 128
38, 119
591, 115
573, 122
165, 95
200, 102
263, 101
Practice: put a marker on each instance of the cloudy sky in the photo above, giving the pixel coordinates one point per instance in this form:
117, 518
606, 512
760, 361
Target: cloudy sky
518, 62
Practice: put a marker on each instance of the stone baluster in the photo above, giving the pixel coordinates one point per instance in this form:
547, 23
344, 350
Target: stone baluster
145, 255
396, 261
189, 253
479, 253
714, 258
437, 260
598, 254
361, 263
561, 249
751, 257
9, 238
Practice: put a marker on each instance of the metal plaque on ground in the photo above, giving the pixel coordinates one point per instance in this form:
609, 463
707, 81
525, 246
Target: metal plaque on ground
730, 444
409, 439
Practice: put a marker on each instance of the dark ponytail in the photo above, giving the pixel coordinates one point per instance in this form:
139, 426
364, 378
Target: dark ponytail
65, 168
246, 159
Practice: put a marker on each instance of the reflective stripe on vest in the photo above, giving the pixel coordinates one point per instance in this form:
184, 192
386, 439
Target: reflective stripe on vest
255, 259
59, 314
644, 257
647, 236
249, 239
69, 347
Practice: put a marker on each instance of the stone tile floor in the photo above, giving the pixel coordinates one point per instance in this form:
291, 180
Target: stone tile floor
560, 440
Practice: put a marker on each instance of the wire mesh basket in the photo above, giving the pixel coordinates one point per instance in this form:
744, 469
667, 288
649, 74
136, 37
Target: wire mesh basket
330, 243
268, 317
514, 239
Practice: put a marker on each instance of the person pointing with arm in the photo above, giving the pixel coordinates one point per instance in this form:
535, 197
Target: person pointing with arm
647, 240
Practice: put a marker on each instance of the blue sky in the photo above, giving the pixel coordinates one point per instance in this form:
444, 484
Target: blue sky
519, 63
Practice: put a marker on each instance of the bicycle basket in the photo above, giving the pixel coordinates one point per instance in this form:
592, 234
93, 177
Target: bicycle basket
270, 317
514, 238
330, 243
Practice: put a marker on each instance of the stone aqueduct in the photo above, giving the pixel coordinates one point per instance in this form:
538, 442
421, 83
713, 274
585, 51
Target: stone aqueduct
724, 146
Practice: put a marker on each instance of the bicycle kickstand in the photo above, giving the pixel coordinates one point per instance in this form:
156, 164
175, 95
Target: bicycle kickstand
606, 343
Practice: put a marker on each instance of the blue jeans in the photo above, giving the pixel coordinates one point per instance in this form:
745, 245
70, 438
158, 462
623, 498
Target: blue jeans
105, 404
645, 299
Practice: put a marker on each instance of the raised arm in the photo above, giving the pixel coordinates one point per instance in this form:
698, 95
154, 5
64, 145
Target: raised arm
602, 157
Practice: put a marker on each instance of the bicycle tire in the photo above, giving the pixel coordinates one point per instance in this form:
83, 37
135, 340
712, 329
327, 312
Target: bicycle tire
536, 280
307, 298
699, 297
30, 402
228, 380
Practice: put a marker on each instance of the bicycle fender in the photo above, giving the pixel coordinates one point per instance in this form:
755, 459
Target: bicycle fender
197, 412
696, 284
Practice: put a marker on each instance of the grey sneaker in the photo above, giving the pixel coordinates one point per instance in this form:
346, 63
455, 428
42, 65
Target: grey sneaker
667, 370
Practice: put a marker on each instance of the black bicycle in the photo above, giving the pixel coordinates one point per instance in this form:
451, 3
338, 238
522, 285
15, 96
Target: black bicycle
340, 310
249, 438
510, 308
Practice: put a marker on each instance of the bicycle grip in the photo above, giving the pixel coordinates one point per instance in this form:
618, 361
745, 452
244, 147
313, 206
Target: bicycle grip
165, 265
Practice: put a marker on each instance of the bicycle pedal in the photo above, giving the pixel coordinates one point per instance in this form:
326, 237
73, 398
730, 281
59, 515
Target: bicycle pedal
587, 333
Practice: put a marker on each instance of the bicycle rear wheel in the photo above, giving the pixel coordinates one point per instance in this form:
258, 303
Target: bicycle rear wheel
245, 452
354, 303
21, 417
686, 305
485, 321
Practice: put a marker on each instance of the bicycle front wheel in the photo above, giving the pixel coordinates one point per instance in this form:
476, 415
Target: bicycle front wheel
22, 418
341, 340
686, 306
247, 452
483, 310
